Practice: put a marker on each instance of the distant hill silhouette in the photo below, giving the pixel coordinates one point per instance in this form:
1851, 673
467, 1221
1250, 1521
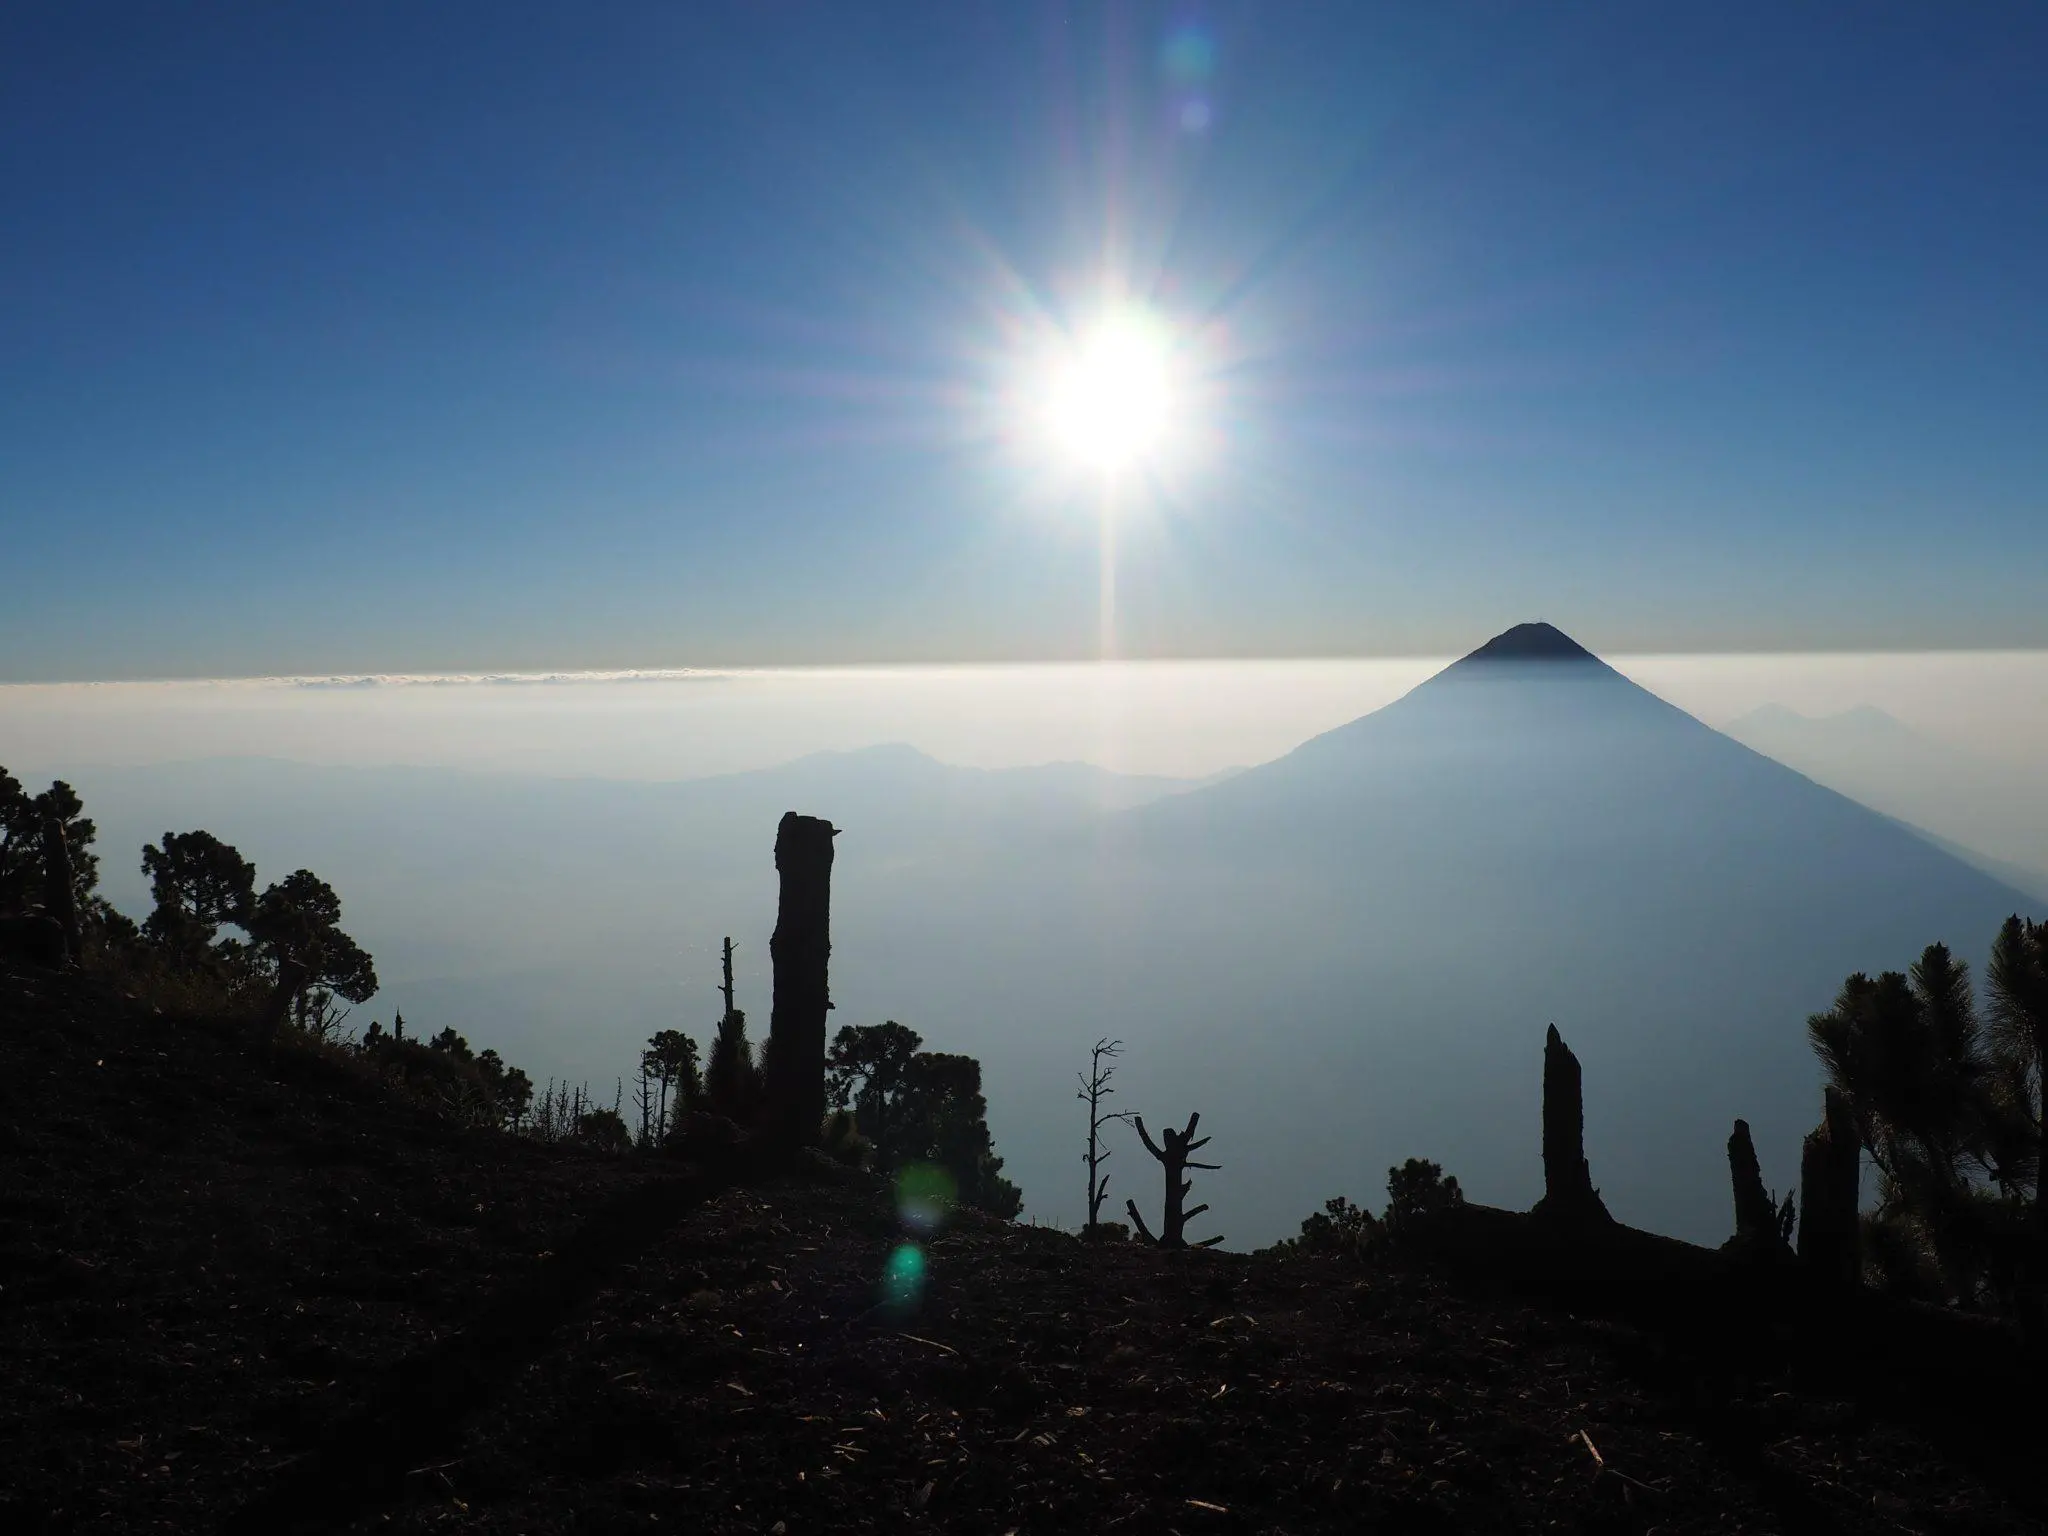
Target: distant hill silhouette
1343, 958
1984, 811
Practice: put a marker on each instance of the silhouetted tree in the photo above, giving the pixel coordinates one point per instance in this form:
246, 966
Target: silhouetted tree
670, 1063
24, 879
604, 1128
945, 1121
1340, 1229
2018, 984
198, 883
1173, 1158
841, 1138
1093, 1090
644, 1093
21, 854
731, 1081
515, 1094
1948, 1115
296, 926
1417, 1189
452, 1044
917, 1106
865, 1072
55, 872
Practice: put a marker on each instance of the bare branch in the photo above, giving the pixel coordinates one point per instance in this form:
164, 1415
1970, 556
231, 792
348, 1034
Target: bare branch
1138, 1221
1150, 1145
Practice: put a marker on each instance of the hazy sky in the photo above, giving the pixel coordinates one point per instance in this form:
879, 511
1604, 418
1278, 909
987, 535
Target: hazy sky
392, 337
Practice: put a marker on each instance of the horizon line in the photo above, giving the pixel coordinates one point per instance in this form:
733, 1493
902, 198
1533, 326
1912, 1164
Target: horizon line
342, 681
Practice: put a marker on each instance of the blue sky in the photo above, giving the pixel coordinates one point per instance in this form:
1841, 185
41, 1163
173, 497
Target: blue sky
398, 337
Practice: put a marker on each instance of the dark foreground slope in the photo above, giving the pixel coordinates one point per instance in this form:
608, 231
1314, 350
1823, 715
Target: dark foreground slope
263, 1296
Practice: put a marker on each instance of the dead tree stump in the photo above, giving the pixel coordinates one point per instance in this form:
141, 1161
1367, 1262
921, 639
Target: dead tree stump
1173, 1158
800, 951
1830, 1170
1568, 1192
1761, 1224
60, 896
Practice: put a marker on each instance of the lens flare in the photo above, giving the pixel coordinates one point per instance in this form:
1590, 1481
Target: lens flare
923, 1196
903, 1278
1189, 56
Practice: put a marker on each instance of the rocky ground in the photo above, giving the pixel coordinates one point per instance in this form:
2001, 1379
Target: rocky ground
263, 1295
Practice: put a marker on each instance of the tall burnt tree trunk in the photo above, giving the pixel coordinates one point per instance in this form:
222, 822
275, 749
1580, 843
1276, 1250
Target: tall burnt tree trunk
800, 951
1756, 1217
60, 895
1830, 1168
1568, 1192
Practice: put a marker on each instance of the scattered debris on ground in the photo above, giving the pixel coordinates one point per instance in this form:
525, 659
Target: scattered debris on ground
262, 1294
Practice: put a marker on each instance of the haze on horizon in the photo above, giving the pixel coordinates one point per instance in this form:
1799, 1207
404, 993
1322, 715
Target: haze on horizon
1598, 837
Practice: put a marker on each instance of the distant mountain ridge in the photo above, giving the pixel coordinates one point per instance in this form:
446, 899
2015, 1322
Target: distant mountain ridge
1343, 957
1983, 811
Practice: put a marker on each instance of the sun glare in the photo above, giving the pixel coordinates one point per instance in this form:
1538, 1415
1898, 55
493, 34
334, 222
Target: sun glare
1110, 396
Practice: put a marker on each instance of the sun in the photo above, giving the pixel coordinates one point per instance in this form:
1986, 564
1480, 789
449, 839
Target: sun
1110, 394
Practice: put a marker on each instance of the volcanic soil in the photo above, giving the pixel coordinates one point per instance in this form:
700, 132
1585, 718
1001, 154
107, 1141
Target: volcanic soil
263, 1293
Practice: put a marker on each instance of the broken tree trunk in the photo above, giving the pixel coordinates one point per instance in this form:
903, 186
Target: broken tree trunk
1756, 1215
1174, 1159
60, 897
1568, 1192
800, 951
1830, 1169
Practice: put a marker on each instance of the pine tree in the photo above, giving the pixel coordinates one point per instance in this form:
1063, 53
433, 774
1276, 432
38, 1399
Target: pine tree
1945, 1109
2018, 983
670, 1063
732, 1081
918, 1106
